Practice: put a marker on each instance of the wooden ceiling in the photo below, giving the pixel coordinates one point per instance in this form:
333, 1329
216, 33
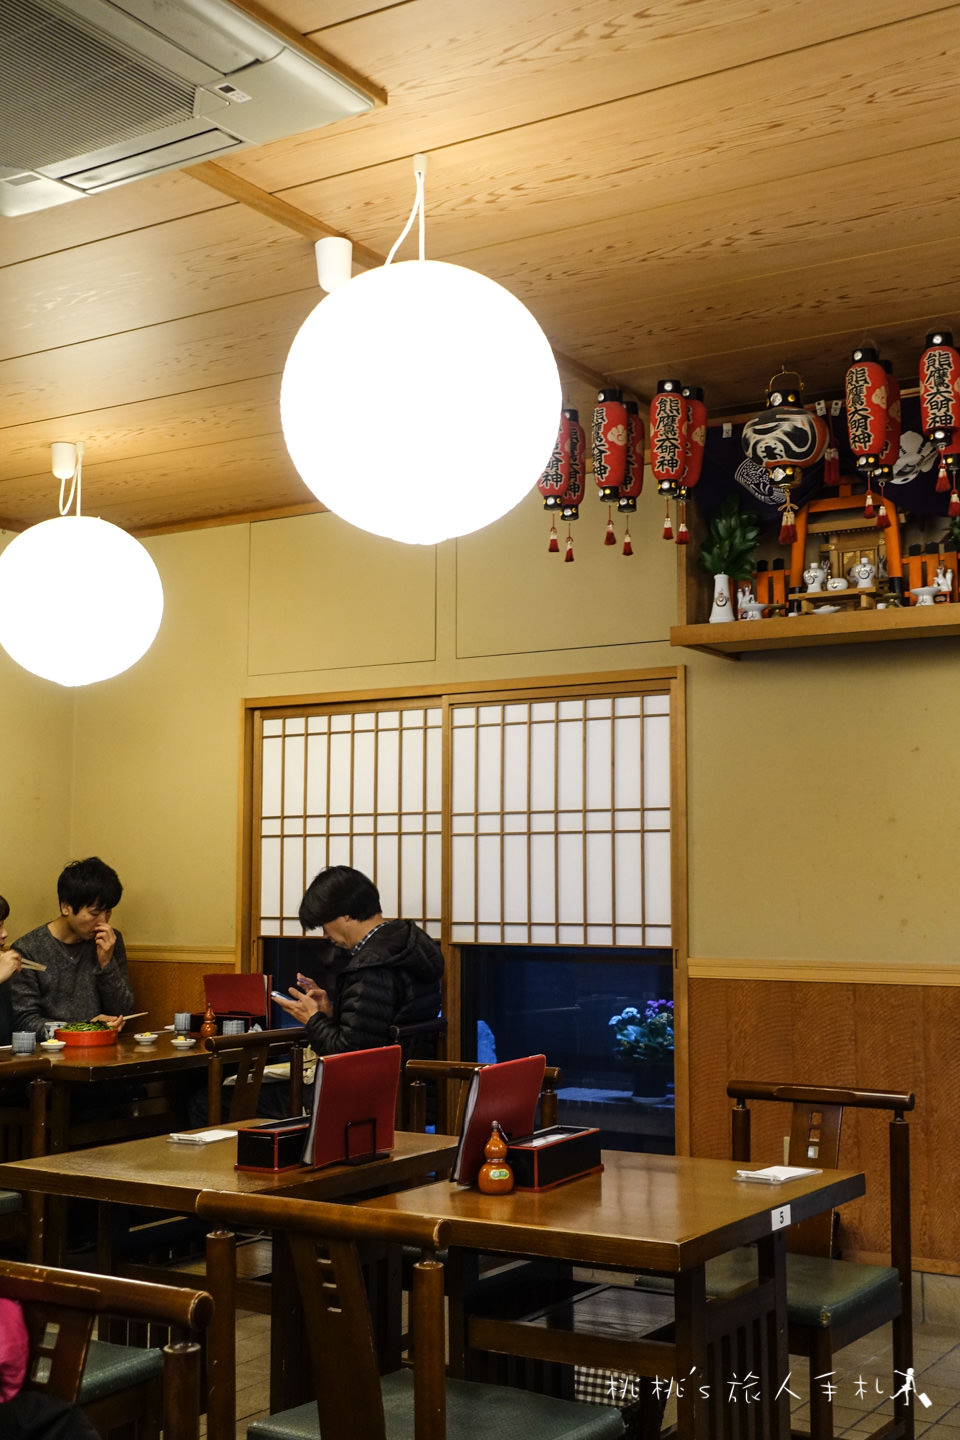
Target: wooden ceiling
706, 189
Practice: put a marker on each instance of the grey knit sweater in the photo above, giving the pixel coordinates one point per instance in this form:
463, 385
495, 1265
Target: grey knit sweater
73, 986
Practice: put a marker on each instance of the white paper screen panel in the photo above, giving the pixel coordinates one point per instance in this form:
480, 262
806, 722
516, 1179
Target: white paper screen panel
560, 822
361, 789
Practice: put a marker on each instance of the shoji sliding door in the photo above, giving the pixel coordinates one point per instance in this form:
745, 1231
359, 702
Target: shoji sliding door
560, 821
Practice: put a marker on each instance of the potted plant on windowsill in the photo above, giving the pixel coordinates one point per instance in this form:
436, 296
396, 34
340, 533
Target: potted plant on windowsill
728, 553
644, 1040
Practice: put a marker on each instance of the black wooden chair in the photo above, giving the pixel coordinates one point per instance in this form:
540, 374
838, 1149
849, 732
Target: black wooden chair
116, 1386
420, 1040
23, 1134
352, 1401
251, 1053
831, 1302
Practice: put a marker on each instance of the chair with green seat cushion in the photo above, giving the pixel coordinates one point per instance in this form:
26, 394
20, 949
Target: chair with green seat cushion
831, 1302
111, 1368
353, 1402
11, 1202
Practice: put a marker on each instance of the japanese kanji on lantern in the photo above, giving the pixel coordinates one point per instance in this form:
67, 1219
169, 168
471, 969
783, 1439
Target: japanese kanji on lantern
940, 407
576, 476
668, 443
696, 440
633, 481
867, 403
786, 439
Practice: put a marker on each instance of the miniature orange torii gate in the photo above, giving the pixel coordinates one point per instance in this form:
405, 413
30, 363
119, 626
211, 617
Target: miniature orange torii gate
843, 500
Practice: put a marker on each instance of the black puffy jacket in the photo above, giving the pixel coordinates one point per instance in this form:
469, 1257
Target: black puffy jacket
394, 977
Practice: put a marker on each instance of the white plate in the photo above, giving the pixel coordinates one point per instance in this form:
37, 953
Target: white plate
146, 1039
183, 1044
53, 1045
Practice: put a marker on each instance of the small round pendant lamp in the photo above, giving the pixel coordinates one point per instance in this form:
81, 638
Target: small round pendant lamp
420, 400
80, 599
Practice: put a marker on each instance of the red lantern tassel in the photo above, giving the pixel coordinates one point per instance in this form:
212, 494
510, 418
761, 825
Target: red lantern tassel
954, 507
868, 506
627, 543
568, 553
610, 538
554, 543
667, 527
788, 529
683, 534
942, 482
883, 519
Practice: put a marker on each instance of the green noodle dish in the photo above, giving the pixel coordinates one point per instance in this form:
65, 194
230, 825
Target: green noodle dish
85, 1025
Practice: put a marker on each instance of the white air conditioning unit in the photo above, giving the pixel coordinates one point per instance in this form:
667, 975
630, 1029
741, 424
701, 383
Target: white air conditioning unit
94, 93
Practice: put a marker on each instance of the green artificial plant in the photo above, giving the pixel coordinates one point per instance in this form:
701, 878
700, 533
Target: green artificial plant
731, 541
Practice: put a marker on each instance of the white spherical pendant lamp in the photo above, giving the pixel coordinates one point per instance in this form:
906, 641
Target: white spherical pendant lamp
80, 600
420, 400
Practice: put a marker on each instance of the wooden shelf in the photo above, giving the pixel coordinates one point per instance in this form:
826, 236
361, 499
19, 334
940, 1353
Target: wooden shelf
741, 637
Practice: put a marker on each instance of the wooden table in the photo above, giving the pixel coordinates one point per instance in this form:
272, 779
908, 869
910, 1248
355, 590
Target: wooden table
158, 1173
660, 1213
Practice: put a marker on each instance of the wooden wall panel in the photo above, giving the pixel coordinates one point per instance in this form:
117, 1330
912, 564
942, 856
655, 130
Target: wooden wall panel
166, 979
896, 1037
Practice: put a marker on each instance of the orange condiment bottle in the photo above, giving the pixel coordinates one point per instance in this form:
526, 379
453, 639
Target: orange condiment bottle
209, 1026
495, 1176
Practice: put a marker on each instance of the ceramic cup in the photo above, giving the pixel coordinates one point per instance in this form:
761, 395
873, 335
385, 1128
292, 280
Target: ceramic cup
24, 1042
234, 1027
181, 1021
50, 1028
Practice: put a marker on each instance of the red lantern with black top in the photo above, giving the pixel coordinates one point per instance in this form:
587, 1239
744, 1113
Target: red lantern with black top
555, 478
668, 436
577, 472
696, 435
867, 405
609, 440
940, 401
633, 481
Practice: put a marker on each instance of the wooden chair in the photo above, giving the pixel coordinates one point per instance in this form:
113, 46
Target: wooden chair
420, 1040
832, 1302
23, 1134
452, 1079
61, 1306
352, 1401
251, 1053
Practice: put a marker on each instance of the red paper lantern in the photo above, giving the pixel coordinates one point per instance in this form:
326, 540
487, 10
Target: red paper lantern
668, 436
696, 435
940, 401
609, 443
786, 439
577, 471
891, 450
554, 480
867, 405
633, 481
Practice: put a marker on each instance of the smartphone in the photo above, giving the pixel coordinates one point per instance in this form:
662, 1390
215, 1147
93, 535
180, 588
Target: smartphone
279, 995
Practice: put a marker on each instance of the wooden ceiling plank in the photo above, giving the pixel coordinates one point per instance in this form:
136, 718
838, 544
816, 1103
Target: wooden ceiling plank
866, 97
167, 424
181, 268
455, 70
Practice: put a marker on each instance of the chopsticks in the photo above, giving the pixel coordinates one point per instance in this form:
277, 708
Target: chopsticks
26, 964
138, 1015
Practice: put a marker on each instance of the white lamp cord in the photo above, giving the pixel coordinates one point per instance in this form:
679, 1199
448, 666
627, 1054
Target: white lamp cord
419, 170
75, 483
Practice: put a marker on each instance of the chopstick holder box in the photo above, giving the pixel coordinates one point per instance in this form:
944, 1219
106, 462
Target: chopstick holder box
549, 1157
278, 1145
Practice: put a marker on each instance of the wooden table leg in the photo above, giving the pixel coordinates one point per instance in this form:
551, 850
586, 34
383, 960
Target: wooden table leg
692, 1369
221, 1336
57, 1132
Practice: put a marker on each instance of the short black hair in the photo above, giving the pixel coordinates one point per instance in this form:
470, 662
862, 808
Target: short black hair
337, 891
4, 909
89, 882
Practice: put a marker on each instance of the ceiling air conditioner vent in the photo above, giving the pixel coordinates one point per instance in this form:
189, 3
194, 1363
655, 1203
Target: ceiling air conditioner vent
94, 93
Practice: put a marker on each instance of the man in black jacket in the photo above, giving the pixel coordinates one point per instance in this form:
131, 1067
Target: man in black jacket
392, 975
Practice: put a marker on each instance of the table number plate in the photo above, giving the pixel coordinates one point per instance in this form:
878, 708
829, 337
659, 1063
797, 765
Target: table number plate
780, 1217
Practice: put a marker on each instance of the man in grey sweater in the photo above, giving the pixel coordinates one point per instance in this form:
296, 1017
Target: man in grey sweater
86, 964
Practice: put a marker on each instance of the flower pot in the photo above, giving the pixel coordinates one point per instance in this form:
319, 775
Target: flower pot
652, 1079
722, 607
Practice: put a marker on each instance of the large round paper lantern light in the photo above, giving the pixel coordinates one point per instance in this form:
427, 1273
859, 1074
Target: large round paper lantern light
80, 600
420, 401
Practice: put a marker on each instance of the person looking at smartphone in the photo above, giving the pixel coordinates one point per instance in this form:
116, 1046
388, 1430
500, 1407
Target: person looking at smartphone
392, 974
86, 964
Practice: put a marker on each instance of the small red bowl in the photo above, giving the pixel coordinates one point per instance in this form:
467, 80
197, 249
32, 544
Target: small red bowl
87, 1037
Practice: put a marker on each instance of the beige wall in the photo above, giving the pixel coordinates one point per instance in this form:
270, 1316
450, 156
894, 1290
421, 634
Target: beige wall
36, 742
819, 780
